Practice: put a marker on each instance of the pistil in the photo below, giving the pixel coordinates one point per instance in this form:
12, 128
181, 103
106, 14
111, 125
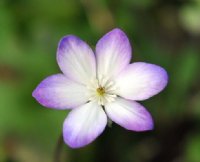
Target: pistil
100, 91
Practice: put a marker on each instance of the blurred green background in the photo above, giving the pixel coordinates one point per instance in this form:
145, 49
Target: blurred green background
163, 32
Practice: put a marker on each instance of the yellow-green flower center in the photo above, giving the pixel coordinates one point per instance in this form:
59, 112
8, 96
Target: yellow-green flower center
100, 91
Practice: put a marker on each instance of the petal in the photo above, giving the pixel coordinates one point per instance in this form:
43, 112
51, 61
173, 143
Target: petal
113, 52
140, 81
84, 124
59, 92
76, 59
129, 114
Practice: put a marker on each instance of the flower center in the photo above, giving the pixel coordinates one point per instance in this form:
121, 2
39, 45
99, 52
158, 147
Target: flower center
102, 90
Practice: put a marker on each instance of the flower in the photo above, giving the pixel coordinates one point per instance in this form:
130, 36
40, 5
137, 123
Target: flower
100, 87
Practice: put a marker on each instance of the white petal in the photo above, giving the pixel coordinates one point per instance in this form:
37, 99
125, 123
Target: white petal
76, 59
113, 52
140, 81
59, 92
84, 124
129, 114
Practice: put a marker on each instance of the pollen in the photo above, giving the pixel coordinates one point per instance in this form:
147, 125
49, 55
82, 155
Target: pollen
100, 91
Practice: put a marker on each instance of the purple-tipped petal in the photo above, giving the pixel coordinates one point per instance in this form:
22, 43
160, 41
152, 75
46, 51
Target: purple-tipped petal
113, 52
59, 92
76, 59
140, 81
84, 124
129, 114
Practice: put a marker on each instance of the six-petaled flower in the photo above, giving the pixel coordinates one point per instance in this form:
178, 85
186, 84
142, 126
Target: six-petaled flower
100, 85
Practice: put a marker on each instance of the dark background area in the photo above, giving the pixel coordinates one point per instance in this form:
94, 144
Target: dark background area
163, 32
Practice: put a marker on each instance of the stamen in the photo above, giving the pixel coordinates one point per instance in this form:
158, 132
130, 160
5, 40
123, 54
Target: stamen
102, 90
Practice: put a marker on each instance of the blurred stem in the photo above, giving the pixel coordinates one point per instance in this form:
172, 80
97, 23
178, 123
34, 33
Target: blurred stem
58, 150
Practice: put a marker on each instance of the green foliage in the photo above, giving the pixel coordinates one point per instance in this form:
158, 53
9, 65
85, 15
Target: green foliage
189, 16
193, 147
